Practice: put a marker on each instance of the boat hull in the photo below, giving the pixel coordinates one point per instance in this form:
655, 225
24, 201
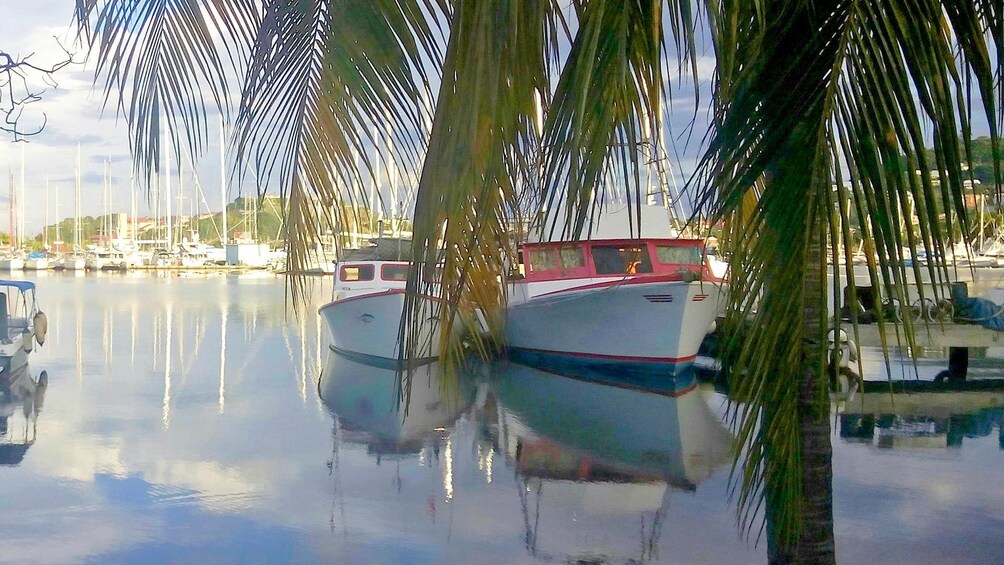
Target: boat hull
13, 355
11, 264
635, 332
74, 264
367, 326
36, 264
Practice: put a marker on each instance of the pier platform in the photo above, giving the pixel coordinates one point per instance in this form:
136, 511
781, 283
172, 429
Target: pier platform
931, 334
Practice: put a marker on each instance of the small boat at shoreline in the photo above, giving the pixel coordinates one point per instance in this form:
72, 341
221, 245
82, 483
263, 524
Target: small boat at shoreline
364, 315
634, 309
22, 324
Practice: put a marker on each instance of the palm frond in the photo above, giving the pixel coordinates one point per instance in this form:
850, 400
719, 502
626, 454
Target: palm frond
162, 65
496, 66
819, 104
606, 103
325, 78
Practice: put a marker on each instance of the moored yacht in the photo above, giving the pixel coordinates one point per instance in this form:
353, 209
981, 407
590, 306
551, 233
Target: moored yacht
36, 261
22, 324
12, 263
637, 309
72, 262
364, 315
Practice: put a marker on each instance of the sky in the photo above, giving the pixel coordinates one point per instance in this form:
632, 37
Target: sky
73, 110
74, 114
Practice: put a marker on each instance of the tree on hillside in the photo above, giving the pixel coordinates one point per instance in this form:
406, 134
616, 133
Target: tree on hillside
537, 99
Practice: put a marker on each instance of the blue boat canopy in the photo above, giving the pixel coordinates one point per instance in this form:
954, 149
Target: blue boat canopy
23, 286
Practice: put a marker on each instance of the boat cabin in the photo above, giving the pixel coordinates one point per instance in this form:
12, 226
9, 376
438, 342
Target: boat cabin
17, 308
684, 258
359, 275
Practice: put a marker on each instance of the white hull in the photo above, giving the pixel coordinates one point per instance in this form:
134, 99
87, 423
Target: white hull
74, 264
14, 264
631, 322
13, 355
36, 264
369, 324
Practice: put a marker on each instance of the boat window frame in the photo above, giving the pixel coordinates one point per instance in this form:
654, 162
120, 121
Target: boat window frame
550, 251
361, 267
698, 254
646, 265
383, 270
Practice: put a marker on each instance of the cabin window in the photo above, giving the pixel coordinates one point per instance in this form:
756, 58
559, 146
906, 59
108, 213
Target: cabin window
621, 259
679, 255
541, 259
394, 272
357, 273
571, 257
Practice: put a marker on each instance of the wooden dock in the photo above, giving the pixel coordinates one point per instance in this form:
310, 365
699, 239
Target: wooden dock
929, 334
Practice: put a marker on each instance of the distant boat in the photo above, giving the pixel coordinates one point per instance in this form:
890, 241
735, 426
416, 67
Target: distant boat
36, 261
73, 262
22, 324
627, 311
364, 315
12, 263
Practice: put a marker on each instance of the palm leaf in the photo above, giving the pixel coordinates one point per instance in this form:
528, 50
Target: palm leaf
161, 61
497, 64
324, 79
814, 96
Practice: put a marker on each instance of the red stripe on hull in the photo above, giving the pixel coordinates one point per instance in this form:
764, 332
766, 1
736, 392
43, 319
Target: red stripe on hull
621, 358
374, 294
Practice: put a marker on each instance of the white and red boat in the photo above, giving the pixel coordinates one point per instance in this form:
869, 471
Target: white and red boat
635, 307
364, 315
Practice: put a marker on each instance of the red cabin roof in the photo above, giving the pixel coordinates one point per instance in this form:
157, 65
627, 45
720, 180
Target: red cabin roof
615, 258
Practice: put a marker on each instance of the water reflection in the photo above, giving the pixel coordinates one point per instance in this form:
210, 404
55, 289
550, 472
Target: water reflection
591, 468
371, 409
920, 431
607, 454
21, 399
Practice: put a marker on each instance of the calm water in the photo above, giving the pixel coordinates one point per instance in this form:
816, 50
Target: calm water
183, 421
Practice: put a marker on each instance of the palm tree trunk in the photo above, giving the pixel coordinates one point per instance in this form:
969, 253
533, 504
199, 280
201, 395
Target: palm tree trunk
815, 542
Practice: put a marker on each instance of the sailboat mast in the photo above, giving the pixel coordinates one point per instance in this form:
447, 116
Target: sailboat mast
76, 204
167, 193
10, 208
132, 204
223, 179
20, 203
45, 225
59, 239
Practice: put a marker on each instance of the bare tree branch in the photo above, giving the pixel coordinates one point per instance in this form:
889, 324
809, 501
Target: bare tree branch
21, 83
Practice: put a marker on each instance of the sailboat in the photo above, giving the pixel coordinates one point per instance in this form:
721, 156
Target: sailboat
13, 261
75, 261
39, 260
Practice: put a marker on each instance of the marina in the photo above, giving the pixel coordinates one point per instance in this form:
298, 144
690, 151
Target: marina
476, 281
141, 433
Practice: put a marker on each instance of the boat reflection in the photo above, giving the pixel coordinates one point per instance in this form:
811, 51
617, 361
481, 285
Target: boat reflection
917, 431
371, 408
600, 454
21, 399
